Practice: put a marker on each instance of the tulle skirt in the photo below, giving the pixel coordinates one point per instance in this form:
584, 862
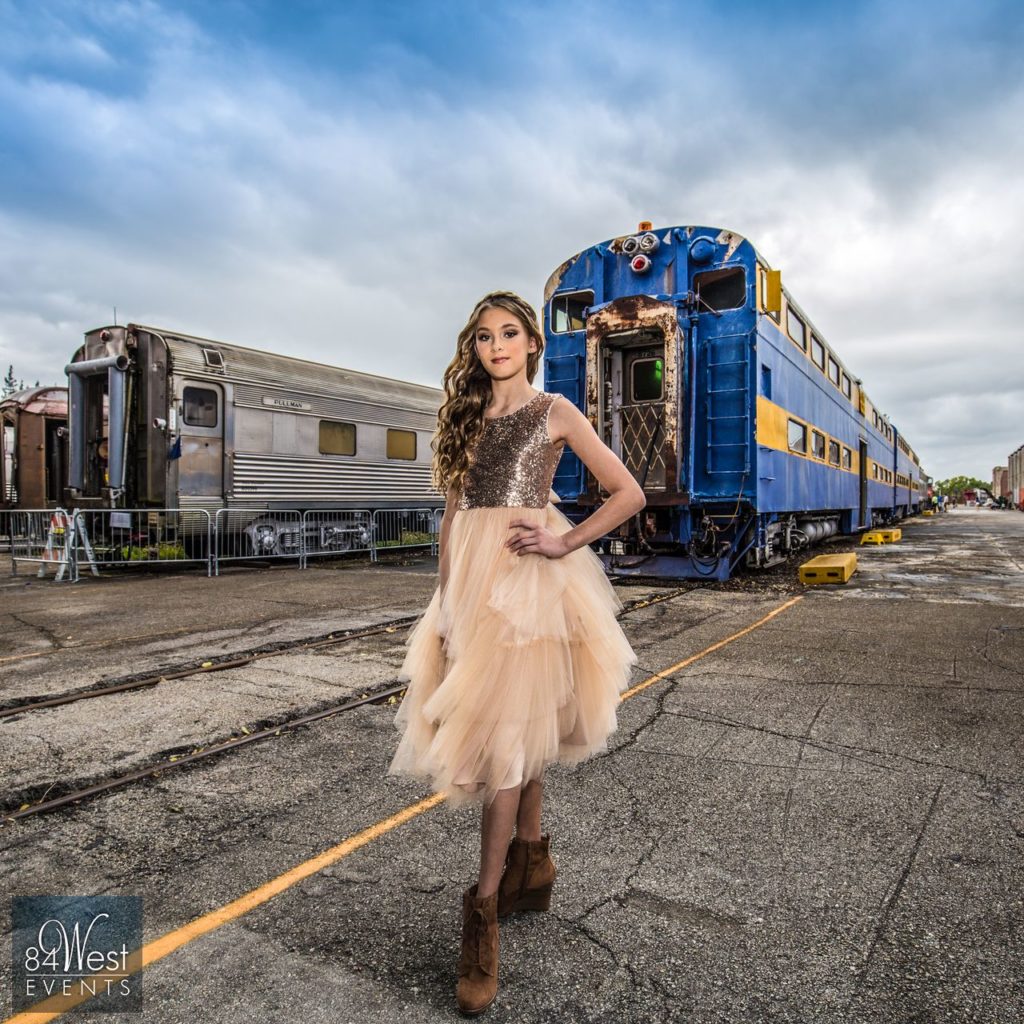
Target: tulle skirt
517, 665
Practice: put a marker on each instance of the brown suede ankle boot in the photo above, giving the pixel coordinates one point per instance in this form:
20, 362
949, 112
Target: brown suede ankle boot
478, 962
528, 877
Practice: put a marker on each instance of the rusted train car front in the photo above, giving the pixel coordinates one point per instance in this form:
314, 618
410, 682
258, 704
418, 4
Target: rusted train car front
33, 448
118, 421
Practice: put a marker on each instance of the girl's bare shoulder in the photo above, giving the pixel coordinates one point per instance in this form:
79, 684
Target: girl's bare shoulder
564, 419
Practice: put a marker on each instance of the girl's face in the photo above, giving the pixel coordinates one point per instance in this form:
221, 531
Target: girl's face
502, 343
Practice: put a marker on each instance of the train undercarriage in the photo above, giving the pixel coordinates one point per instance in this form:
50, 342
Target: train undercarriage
714, 542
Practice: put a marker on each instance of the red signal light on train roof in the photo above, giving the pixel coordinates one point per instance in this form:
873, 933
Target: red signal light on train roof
639, 263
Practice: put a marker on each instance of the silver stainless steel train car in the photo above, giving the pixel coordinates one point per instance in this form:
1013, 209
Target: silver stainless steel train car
200, 424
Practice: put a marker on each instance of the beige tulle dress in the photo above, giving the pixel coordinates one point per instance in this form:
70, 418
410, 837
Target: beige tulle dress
520, 662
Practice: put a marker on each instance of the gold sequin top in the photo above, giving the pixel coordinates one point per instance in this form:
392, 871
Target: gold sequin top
513, 462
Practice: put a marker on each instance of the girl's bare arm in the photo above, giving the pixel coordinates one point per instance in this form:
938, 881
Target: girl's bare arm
626, 496
450, 511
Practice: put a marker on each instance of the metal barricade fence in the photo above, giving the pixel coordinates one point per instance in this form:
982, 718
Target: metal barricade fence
405, 528
5, 529
41, 536
242, 534
143, 536
119, 537
336, 532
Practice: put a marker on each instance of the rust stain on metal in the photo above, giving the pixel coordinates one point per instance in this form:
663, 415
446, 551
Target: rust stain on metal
45, 401
731, 240
637, 313
615, 245
556, 278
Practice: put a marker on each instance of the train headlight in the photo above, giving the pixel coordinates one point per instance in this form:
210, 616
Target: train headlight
701, 250
631, 245
264, 538
648, 241
640, 263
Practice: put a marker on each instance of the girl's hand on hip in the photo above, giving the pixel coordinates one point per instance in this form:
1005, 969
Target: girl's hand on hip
535, 540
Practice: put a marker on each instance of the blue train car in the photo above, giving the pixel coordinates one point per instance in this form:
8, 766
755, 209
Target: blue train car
750, 437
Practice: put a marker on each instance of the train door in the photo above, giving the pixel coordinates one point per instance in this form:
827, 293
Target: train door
56, 460
865, 512
29, 460
201, 438
633, 412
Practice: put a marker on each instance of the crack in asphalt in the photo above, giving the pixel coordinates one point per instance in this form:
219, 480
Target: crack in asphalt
897, 889
799, 757
757, 764
50, 634
835, 747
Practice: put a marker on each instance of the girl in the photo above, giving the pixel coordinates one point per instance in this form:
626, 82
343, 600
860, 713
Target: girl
518, 660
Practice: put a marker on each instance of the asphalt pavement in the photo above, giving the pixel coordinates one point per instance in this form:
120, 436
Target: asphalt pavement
811, 811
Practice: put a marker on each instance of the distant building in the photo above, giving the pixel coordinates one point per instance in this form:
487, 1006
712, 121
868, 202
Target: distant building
1015, 474
1000, 482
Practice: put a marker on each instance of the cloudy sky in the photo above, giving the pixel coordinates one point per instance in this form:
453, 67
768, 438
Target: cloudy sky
342, 180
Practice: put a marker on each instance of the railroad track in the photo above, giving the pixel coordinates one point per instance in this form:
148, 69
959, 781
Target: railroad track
126, 684
12, 810
236, 660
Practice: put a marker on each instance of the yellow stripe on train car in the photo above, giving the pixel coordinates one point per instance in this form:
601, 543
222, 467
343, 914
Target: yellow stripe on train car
773, 432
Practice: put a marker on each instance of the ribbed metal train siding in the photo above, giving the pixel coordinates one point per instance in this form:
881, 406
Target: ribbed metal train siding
287, 478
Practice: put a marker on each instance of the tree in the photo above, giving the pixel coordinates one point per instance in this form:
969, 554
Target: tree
956, 485
10, 385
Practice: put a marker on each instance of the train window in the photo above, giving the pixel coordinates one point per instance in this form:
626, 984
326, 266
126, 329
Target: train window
401, 444
567, 311
797, 330
720, 289
766, 381
817, 444
833, 452
847, 387
337, 438
847, 458
797, 437
213, 358
817, 353
199, 407
833, 371
647, 379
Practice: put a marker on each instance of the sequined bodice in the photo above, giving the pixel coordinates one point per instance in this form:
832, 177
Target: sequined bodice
513, 462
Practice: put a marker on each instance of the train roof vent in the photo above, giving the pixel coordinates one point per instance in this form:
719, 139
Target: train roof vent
214, 359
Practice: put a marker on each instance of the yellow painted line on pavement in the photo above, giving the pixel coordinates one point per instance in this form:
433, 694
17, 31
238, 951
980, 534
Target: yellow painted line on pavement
53, 1007
666, 672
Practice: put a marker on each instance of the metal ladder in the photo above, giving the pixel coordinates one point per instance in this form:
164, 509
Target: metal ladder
728, 408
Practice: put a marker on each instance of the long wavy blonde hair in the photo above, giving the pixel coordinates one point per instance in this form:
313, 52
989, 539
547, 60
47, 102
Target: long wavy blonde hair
467, 387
